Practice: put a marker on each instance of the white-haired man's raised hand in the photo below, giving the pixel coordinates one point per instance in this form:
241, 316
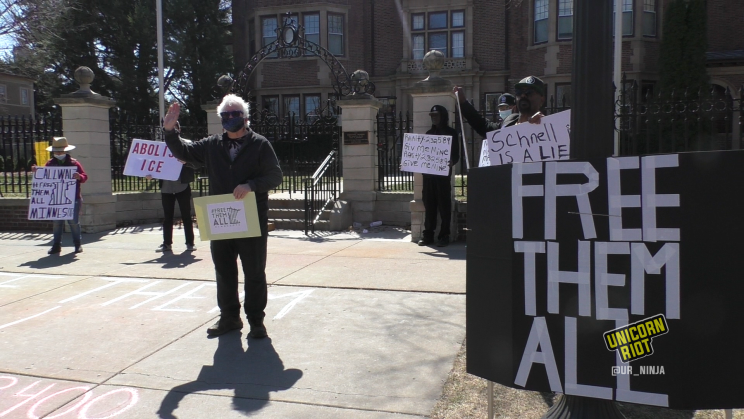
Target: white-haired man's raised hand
169, 122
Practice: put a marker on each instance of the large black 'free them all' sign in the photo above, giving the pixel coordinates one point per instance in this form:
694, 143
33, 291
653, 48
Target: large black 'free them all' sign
618, 278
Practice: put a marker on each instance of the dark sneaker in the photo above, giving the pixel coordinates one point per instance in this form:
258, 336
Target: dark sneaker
55, 249
224, 325
443, 242
78, 249
163, 248
258, 330
190, 247
425, 242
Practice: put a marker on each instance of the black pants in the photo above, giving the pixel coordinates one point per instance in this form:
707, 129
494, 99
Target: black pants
252, 252
169, 207
437, 199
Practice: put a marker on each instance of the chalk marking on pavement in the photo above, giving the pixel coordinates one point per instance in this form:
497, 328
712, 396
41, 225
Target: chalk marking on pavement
115, 281
290, 306
184, 296
24, 276
28, 318
157, 295
135, 292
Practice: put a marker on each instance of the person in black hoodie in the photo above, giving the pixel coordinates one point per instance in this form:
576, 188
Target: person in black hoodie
437, 191
238, 161
530, 95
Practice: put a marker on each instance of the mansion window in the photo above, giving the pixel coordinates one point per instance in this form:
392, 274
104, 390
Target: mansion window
627, 17
306, 107
311, 21
562, 96
3, 94
565, 19
443, 31
542, 12
649, 17
24, 96
312, 107
336, 34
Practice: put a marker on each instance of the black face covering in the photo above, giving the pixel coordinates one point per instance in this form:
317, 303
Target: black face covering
233, 124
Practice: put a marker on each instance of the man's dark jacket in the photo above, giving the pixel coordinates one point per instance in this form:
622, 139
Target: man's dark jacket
482, 125
255, 164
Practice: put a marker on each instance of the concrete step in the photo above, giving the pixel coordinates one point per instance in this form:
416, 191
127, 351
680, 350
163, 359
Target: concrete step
299, 224
286, 203
286, 213
289, 213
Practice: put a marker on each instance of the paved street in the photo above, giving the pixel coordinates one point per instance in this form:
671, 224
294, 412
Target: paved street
360, 325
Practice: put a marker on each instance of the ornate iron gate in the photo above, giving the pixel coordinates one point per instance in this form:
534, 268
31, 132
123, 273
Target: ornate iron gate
300, 143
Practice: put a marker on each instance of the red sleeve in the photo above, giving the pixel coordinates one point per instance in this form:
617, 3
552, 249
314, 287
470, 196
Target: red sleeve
81, 171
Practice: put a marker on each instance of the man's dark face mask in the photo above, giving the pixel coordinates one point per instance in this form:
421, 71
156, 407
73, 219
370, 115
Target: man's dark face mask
233, 124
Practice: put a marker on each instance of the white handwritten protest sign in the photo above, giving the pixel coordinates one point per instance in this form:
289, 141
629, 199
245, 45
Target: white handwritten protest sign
548, 140
424, 153
224, 217
484, 160
152, 158
53, 193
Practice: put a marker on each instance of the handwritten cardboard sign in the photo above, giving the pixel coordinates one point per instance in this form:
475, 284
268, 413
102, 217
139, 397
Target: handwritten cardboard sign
484, 160
428, 154
548, 140
223, 217
53, 193
152, 158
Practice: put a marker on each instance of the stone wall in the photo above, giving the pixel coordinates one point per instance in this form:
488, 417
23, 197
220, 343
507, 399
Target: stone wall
131, 209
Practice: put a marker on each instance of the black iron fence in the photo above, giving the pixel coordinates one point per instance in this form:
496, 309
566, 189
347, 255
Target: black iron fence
390, 130
125, 127
677, 121
19, 136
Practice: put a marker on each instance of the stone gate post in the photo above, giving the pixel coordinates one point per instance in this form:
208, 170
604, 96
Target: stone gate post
85, 122
359, 154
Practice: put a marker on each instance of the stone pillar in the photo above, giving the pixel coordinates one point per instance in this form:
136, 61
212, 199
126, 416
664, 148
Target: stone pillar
431, 91
359, 153
214, 125
85, 121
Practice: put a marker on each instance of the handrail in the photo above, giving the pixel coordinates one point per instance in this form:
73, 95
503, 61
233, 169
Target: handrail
321, 190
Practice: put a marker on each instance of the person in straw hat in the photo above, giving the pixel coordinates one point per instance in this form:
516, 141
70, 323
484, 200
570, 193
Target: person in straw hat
59, 148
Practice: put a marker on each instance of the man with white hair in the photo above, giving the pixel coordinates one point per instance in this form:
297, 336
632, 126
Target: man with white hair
238, 161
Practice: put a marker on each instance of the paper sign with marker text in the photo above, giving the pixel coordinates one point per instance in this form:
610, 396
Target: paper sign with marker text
152, 158
525, 142
429, 154
53, 193
224, 217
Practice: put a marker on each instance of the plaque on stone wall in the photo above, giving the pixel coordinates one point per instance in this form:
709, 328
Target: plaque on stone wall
356, 137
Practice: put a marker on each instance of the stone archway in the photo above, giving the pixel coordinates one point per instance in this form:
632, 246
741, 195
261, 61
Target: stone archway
291, 43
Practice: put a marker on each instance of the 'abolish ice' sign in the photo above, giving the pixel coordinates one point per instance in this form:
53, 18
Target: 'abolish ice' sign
152, 158
548, 140
428, 154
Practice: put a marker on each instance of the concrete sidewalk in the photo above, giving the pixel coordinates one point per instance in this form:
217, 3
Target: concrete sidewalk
360, 326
